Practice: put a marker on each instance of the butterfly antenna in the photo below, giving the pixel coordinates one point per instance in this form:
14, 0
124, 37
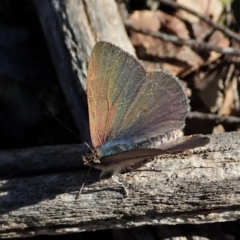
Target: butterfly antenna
65, 126
81, 188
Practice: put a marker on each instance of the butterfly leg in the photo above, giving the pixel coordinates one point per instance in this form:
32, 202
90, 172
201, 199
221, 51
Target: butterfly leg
100, 178
83, 184
102, 174
118, 182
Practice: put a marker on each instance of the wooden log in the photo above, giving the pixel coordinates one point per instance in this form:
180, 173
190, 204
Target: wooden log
201, 186
71, 28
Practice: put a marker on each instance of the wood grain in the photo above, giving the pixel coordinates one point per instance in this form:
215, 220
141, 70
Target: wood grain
201, 186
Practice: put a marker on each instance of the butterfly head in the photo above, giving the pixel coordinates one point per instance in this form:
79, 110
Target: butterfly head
92, 159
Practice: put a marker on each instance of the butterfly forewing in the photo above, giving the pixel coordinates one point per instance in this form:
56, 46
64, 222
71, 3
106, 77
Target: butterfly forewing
110, 89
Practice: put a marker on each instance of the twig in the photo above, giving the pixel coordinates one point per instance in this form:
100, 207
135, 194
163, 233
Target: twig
208, 20
235, 93
214, 117
190, 42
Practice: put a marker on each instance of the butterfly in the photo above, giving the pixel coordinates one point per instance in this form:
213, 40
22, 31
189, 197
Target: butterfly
134, 115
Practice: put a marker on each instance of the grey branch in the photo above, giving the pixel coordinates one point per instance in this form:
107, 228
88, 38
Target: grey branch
214, 117
189, 42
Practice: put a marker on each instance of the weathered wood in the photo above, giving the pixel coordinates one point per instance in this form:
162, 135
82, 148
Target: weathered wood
71, 28
40, 160
201, 186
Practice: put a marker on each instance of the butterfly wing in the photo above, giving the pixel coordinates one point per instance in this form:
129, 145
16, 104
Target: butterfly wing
125, 102
160, 106
132, 155
186, 143
178, 146
137, 157
110, 88
131, 159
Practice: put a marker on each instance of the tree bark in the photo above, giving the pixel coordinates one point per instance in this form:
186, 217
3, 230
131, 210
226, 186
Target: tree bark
72, 27
201, 186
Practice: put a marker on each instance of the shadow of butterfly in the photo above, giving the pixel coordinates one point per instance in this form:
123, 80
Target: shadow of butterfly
134, 115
